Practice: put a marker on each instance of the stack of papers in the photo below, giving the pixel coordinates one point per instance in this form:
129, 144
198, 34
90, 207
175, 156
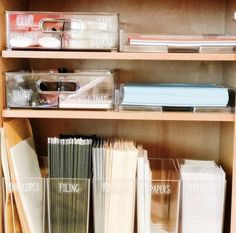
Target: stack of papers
203, 197
182, 41
175, 95
144, 184
27, 175
69, 186
114, 185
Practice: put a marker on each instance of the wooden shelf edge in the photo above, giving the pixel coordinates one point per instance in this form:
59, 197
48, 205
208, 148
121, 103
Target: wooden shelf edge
116, 55
113, 115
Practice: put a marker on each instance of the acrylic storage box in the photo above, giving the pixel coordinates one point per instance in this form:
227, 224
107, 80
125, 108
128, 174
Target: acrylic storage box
26, 30
158, 197
32, 90
68, 205
87, 90
114, 206
91, 32
202, 196
24, 205
62, 30
52, 90
46, 205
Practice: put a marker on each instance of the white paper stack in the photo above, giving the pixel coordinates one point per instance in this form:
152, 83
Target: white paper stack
144, 183
175, 95
114, 166
29, 183
203, 197
182, 41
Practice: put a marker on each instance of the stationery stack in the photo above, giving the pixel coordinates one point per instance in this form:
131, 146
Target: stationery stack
144, 185
203, 197
114, 186
69, 186
178, 43
174, 95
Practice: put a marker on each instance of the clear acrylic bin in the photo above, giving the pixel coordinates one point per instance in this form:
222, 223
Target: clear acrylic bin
26, 31
91, 32
24, 205
158, 198
46, 205
114, 206
53, 90
62, 30
68, 205
202, 197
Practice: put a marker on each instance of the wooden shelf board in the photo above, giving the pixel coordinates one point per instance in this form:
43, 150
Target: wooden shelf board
122, 115
116, 55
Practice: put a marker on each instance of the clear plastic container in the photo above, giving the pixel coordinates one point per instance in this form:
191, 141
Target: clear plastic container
62, 30
114, 206
68, 205
158, 198
83, 90
46, 205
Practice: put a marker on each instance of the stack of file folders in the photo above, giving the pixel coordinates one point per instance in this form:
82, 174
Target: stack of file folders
69, 184
144, 96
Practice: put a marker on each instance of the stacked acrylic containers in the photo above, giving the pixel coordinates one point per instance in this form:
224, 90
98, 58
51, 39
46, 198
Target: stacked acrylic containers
62, 30
82, 90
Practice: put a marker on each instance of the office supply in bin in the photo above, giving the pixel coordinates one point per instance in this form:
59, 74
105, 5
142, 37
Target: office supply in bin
158, 43
62, 30
158, 195
185, 95
203, 196
82, 90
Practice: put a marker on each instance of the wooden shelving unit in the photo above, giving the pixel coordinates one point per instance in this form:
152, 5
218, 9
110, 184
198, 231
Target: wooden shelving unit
118, 56
121, 115
210, 136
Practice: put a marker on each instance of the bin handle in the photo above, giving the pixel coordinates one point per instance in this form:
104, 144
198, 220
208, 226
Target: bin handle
52, 21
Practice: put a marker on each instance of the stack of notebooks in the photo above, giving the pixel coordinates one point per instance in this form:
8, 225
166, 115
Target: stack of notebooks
174, 95
114, 186
69, 184
203, 196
